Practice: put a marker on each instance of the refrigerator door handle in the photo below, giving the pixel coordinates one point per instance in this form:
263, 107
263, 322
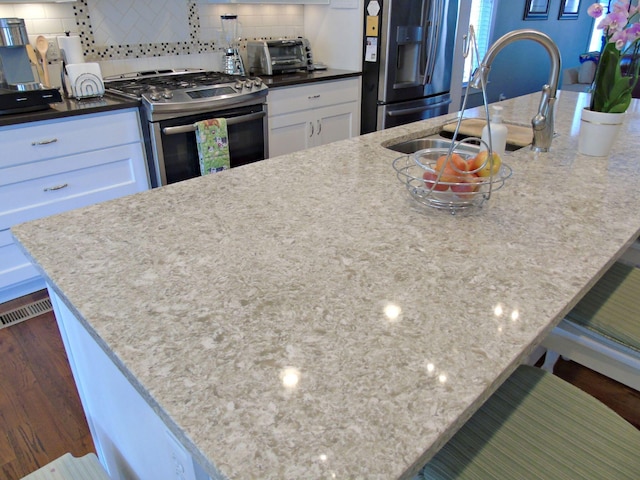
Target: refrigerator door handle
434, 40
422, 108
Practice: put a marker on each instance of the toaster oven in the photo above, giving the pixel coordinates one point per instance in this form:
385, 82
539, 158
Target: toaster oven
271, 57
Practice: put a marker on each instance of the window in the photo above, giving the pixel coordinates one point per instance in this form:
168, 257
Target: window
595, 43
481, 17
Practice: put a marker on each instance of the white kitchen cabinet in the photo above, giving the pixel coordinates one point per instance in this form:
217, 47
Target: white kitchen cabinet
313, 114
57, 165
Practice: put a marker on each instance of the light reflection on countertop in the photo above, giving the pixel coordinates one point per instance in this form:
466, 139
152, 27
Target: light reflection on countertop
290, 377
392, 312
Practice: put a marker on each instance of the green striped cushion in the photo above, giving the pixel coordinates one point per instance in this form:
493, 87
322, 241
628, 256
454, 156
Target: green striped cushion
611, 307
537, 426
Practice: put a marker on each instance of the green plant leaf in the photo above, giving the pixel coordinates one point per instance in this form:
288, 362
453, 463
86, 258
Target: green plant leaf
612, 91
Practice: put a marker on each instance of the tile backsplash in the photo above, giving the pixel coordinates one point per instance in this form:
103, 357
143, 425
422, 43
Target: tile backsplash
128, 35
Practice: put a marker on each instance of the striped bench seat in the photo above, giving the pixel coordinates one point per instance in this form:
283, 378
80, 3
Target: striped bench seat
602, 331
537, 426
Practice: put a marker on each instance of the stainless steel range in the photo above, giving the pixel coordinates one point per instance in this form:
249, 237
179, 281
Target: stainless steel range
174, 100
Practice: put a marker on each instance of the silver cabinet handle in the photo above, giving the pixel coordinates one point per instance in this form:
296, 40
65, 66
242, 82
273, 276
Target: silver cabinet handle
310, 97
44, 142
312, 130
57, 187
319, 127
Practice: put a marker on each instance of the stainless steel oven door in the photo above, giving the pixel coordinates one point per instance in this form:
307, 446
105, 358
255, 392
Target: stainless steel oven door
173, 142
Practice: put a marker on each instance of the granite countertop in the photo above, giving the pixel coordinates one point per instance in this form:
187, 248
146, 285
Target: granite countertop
209, 292
70, 107
304, 77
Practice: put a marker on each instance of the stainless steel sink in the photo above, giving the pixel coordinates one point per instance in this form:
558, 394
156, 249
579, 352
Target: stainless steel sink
434, 141
443, 140
510, 147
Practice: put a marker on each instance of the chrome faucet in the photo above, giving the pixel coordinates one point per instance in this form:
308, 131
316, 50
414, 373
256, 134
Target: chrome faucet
543, 122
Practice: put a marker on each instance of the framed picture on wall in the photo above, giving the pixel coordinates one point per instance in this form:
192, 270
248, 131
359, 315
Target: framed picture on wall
569, 9
536, 10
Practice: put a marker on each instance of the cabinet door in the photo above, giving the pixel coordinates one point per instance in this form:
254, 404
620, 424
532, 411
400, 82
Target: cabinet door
337, 122
313, 114
290, 133
17, 275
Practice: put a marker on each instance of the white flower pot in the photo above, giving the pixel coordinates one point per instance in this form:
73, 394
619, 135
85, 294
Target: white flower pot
598, 132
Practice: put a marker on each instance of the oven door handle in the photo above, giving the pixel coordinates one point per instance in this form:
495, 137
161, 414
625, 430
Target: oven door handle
230, 121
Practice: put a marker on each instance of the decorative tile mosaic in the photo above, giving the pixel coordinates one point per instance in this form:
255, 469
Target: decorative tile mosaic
140, 18
116, 31
139, 21
140, 26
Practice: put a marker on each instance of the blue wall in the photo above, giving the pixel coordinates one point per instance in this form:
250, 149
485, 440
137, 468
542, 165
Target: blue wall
523, 67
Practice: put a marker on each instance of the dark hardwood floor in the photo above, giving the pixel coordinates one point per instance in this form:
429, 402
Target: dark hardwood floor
41, 417
618, 397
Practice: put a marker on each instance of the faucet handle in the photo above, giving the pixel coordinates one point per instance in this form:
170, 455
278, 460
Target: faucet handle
540, 120
543, 122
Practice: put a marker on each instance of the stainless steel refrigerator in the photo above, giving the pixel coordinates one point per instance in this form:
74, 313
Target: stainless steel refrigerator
407, 61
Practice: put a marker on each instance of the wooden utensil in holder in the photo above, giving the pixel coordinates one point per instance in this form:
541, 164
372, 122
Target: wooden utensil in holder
42, 45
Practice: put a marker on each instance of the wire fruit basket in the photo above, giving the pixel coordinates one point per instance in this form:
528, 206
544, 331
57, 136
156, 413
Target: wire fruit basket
452, 180
455, 178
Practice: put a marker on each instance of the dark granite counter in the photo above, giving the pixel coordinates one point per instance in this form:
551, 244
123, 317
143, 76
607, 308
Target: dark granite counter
70, 107
298, 78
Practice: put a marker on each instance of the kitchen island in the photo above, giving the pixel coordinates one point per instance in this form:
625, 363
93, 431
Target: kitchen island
303, 317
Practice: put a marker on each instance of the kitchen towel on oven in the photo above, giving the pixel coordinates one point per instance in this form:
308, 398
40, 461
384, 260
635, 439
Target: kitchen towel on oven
213, 145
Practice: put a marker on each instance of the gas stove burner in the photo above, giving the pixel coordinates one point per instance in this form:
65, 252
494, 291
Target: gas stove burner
173, 91
135, 84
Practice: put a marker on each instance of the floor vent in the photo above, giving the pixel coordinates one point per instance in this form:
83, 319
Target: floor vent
25, 313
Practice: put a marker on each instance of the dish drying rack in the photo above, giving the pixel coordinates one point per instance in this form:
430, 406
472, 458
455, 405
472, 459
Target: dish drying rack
424, 172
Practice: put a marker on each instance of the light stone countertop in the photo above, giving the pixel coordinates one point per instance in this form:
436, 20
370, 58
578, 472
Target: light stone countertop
220, 283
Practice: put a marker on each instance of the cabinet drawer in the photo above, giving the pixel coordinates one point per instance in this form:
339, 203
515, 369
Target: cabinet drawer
14, 265
52, 186
314, 95
54, 138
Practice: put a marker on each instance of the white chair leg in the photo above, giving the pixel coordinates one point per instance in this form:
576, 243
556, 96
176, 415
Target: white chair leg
550, 360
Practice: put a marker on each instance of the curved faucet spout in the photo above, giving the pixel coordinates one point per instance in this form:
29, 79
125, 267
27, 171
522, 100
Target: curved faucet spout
543, 121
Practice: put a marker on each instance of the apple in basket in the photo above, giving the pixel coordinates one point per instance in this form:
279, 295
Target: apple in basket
430, 181
453, 175
458, 162
466, 185
482, 164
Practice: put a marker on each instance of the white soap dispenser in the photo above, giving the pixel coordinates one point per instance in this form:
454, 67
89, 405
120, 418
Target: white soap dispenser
498, 132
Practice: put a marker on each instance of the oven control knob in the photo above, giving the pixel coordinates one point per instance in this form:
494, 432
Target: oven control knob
155, 95
238, 85
167, 94
257, 82
248, 84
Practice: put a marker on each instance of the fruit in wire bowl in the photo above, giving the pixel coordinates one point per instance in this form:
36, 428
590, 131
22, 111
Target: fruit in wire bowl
449, 179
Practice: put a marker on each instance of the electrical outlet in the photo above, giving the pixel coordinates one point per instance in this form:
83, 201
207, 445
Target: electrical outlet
53, 54
181, 461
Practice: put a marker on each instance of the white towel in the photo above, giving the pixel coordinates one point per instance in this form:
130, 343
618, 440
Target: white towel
213, 145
